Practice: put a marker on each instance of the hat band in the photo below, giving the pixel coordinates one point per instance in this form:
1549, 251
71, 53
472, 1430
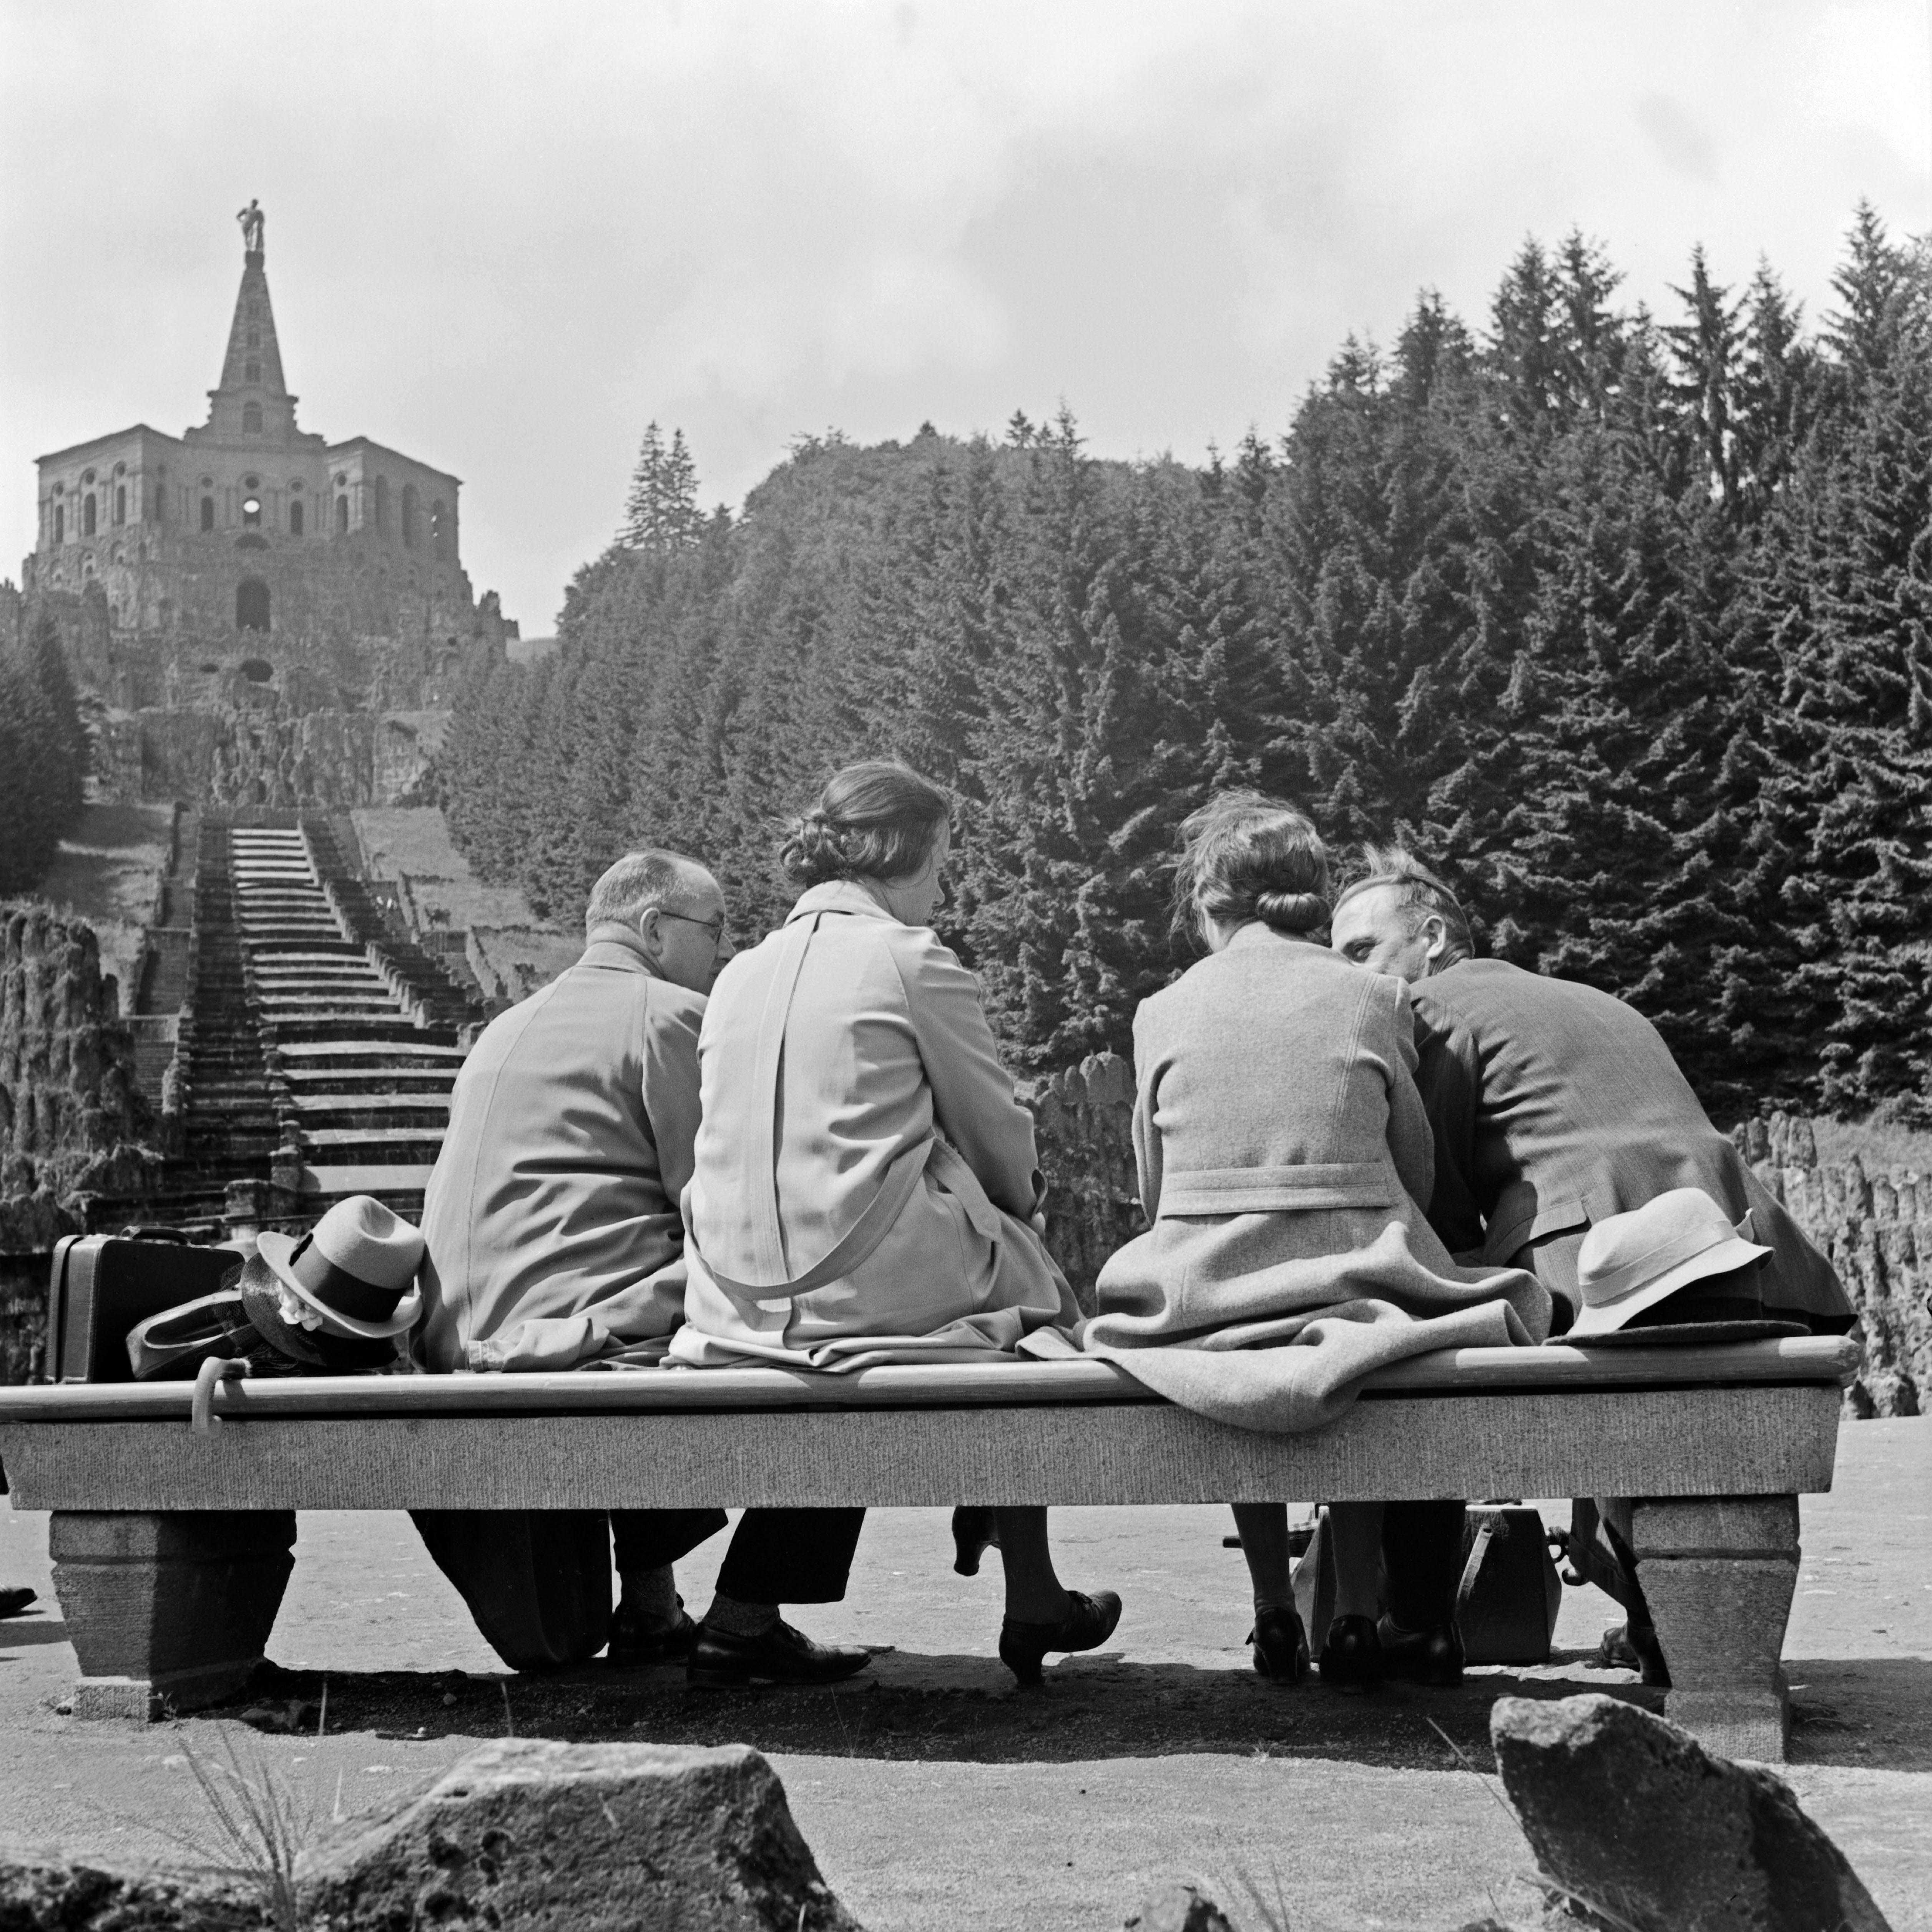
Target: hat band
1614, 1284
336, 1287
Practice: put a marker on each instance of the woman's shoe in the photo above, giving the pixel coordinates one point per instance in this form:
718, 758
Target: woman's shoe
1088, 1623
1281, 1644
1351, 1654
1432, 1657
974, 1533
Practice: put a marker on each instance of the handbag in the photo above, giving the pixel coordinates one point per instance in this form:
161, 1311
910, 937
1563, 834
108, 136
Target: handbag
1507, 1602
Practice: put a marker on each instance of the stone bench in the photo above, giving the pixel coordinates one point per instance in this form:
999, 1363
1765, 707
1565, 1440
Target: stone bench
172, 1545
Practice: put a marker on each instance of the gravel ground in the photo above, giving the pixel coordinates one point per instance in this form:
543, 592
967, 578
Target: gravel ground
935, 1797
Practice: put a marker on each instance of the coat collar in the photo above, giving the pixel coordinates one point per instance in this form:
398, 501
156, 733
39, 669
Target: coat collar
618, 945
845, 895
1258, 933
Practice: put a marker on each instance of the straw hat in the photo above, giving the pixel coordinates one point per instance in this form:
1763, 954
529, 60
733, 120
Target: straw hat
1630, 1261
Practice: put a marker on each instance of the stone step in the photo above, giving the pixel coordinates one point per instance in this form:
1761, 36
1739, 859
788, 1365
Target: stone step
372, 1138
369, 1082
366, 1052
386, 1181
342, 1106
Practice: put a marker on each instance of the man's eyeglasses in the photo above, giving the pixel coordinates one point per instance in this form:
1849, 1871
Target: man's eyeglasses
715, 927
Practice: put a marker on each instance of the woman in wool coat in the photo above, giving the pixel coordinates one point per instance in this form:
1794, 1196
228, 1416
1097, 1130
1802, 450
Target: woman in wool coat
866, 1187
1286, 1163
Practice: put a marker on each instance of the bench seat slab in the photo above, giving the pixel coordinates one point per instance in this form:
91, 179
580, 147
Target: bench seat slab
1776, 1440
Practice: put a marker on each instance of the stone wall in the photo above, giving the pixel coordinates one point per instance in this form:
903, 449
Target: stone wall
72, 1119
1085, 1119
1876, 1227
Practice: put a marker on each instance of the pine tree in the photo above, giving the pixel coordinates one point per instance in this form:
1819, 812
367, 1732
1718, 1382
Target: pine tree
661, 513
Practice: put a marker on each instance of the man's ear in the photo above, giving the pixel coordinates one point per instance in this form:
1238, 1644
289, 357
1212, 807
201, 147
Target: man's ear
650, 930
1437, 928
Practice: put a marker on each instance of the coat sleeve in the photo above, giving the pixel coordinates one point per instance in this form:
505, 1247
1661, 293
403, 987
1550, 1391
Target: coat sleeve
1449, 1078
1149, 1163
972, 1101
1410, 1141
670, 1100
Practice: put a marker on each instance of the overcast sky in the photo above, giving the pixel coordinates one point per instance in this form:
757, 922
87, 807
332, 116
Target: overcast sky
503, 237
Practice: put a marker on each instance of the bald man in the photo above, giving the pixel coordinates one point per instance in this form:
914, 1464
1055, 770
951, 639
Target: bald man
555, 1239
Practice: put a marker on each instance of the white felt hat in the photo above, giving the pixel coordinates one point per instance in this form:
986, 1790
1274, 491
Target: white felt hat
356, 1267
1630, 1261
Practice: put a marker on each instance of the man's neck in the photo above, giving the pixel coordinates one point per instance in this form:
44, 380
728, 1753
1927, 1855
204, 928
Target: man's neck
612, 933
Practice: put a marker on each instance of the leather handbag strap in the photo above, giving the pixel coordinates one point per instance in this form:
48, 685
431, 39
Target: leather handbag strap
856, 1245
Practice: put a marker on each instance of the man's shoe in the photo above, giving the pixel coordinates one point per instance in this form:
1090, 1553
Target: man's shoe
1281, 1644
12, 1602
719, 1661
1432, 1657
973, 1534
1088, 1623
633, 1648
1352, 1656
1633, 1646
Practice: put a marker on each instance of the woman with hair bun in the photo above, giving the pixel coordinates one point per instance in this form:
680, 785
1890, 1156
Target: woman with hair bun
866, 1186
1285, 1164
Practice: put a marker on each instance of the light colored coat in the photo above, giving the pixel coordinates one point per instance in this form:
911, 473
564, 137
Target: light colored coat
551, 1219
1283, 1153
1553, 1106
863, 1173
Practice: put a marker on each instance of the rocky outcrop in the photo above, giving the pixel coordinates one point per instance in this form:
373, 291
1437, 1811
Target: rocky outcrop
1876, 1227
267, 751
1179, 1907
523, 1835
1628, 1814
72, 1119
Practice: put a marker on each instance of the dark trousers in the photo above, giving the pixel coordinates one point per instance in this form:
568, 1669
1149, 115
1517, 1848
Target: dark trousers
538, 1581
1422, 1562
777, 1555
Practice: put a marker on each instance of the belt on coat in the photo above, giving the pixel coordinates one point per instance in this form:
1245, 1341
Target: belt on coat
1263, 1190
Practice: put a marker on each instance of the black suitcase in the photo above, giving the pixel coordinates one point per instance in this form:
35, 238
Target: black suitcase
101, 1285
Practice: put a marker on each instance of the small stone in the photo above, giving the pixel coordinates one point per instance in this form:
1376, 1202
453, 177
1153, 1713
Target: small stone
1626, 1811
525, 1833
1179, 1907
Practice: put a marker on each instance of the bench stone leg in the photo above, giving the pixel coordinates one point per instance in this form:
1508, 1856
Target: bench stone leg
1720, 1573
168, 1611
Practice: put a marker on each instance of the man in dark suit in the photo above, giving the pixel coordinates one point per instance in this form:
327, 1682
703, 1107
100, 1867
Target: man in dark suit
554, 1239
1552, 1107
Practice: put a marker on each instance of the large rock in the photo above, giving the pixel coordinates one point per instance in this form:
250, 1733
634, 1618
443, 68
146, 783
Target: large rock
1628, 1812
597, 1838
90, 1898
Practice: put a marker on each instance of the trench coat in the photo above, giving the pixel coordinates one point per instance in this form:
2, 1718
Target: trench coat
1283, 1155
551, 1222
1553, 1105
862, 1173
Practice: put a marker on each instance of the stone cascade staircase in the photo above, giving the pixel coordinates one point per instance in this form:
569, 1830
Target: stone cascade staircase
167, 970
362, 1063
229, 1130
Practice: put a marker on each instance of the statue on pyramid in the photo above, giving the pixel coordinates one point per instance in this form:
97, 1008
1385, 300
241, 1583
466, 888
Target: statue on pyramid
253, 223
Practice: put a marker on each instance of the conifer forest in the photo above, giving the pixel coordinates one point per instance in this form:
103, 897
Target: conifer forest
1623, 619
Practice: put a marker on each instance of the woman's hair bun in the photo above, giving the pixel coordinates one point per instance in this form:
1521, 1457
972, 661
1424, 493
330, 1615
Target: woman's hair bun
1292, 912
813, 851
1245, 856
878, 819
